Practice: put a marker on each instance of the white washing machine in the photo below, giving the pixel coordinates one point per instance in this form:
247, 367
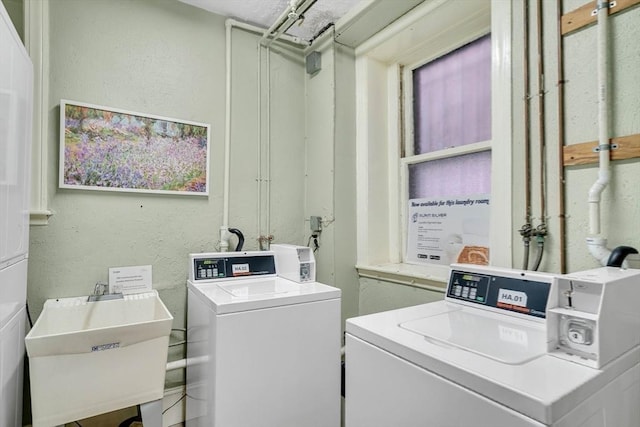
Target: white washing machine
505, 348
262, 351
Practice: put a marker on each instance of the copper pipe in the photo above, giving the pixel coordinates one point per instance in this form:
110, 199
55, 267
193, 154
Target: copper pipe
562, 239
527, 119
525, 230
541, 121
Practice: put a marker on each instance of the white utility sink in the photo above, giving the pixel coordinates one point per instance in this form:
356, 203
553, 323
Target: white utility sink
88, 358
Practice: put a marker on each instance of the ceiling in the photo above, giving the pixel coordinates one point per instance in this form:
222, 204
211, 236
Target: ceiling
264, 13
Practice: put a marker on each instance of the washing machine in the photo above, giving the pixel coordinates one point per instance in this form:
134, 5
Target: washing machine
505, 348
262, 350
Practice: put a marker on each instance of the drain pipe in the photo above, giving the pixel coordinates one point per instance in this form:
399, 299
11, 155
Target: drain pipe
596, 243
224, 229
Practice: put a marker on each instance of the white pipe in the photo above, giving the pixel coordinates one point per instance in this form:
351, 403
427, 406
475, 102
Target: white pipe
259, 30
259, 148
598, 249
176, 364
267, 153
260, 160
595, 242
284, 16
224, 234
289, 16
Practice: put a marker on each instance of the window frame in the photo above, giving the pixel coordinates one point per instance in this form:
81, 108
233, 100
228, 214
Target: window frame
381, 63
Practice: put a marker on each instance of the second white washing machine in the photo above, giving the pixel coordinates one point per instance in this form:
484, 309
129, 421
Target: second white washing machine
506, 348
262, 350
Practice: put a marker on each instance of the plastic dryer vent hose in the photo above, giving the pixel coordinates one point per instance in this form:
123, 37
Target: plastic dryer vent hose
619, 254
240, 238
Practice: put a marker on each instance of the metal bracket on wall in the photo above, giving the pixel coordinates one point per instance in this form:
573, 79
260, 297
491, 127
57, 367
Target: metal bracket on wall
611, 5
605, 147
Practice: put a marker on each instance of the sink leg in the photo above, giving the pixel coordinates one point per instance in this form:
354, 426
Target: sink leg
151, 413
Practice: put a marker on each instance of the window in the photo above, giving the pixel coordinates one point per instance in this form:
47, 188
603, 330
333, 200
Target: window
461, 144
449, 119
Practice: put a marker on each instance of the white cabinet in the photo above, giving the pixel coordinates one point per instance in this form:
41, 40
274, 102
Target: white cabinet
16, 112
16, 105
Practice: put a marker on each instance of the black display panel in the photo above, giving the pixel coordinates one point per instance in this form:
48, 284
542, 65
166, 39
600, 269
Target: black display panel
518, 295
226, 267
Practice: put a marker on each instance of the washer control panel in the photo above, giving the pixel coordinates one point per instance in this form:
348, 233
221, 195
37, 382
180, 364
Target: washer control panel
519, 294
228, 265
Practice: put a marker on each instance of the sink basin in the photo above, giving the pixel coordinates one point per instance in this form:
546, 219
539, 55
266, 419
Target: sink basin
87, 358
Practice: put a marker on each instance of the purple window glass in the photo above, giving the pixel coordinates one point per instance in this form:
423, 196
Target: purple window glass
454, 176
452, 98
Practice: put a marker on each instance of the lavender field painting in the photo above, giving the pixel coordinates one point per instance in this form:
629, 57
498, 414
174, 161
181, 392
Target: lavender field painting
103, 148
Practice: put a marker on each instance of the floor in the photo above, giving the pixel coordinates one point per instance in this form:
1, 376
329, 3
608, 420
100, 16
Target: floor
111, 419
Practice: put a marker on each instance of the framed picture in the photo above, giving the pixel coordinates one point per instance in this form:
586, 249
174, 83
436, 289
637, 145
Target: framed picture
108, 149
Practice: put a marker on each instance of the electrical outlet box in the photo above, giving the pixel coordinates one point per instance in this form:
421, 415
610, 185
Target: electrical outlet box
313, 62
316, 223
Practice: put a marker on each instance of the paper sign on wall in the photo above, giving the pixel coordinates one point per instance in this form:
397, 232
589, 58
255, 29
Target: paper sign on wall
130, 280
447, 230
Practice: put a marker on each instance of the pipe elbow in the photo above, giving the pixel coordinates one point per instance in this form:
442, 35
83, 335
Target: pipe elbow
596, 189
224, 239
598, 249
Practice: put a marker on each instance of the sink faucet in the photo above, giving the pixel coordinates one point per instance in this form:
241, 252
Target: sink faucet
101, 288
101, 293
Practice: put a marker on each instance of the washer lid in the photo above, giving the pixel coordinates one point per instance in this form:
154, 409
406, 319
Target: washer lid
505, 340
258, 293
455, 343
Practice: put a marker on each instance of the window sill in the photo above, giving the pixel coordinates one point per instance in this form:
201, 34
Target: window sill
432, 278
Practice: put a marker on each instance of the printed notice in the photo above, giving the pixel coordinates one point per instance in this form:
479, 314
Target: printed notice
448, 230
130, 280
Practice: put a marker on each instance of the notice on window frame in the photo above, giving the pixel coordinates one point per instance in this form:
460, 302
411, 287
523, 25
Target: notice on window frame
448, 230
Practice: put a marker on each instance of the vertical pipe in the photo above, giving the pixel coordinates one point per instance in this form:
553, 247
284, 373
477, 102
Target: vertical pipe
224, 243
527, 118
603, 118
595, 242
561, 142
525, 231
541, 118
267, 153
259, 148
264, 143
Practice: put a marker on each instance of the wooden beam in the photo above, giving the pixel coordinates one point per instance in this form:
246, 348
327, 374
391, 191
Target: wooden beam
581, 17
583, 154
